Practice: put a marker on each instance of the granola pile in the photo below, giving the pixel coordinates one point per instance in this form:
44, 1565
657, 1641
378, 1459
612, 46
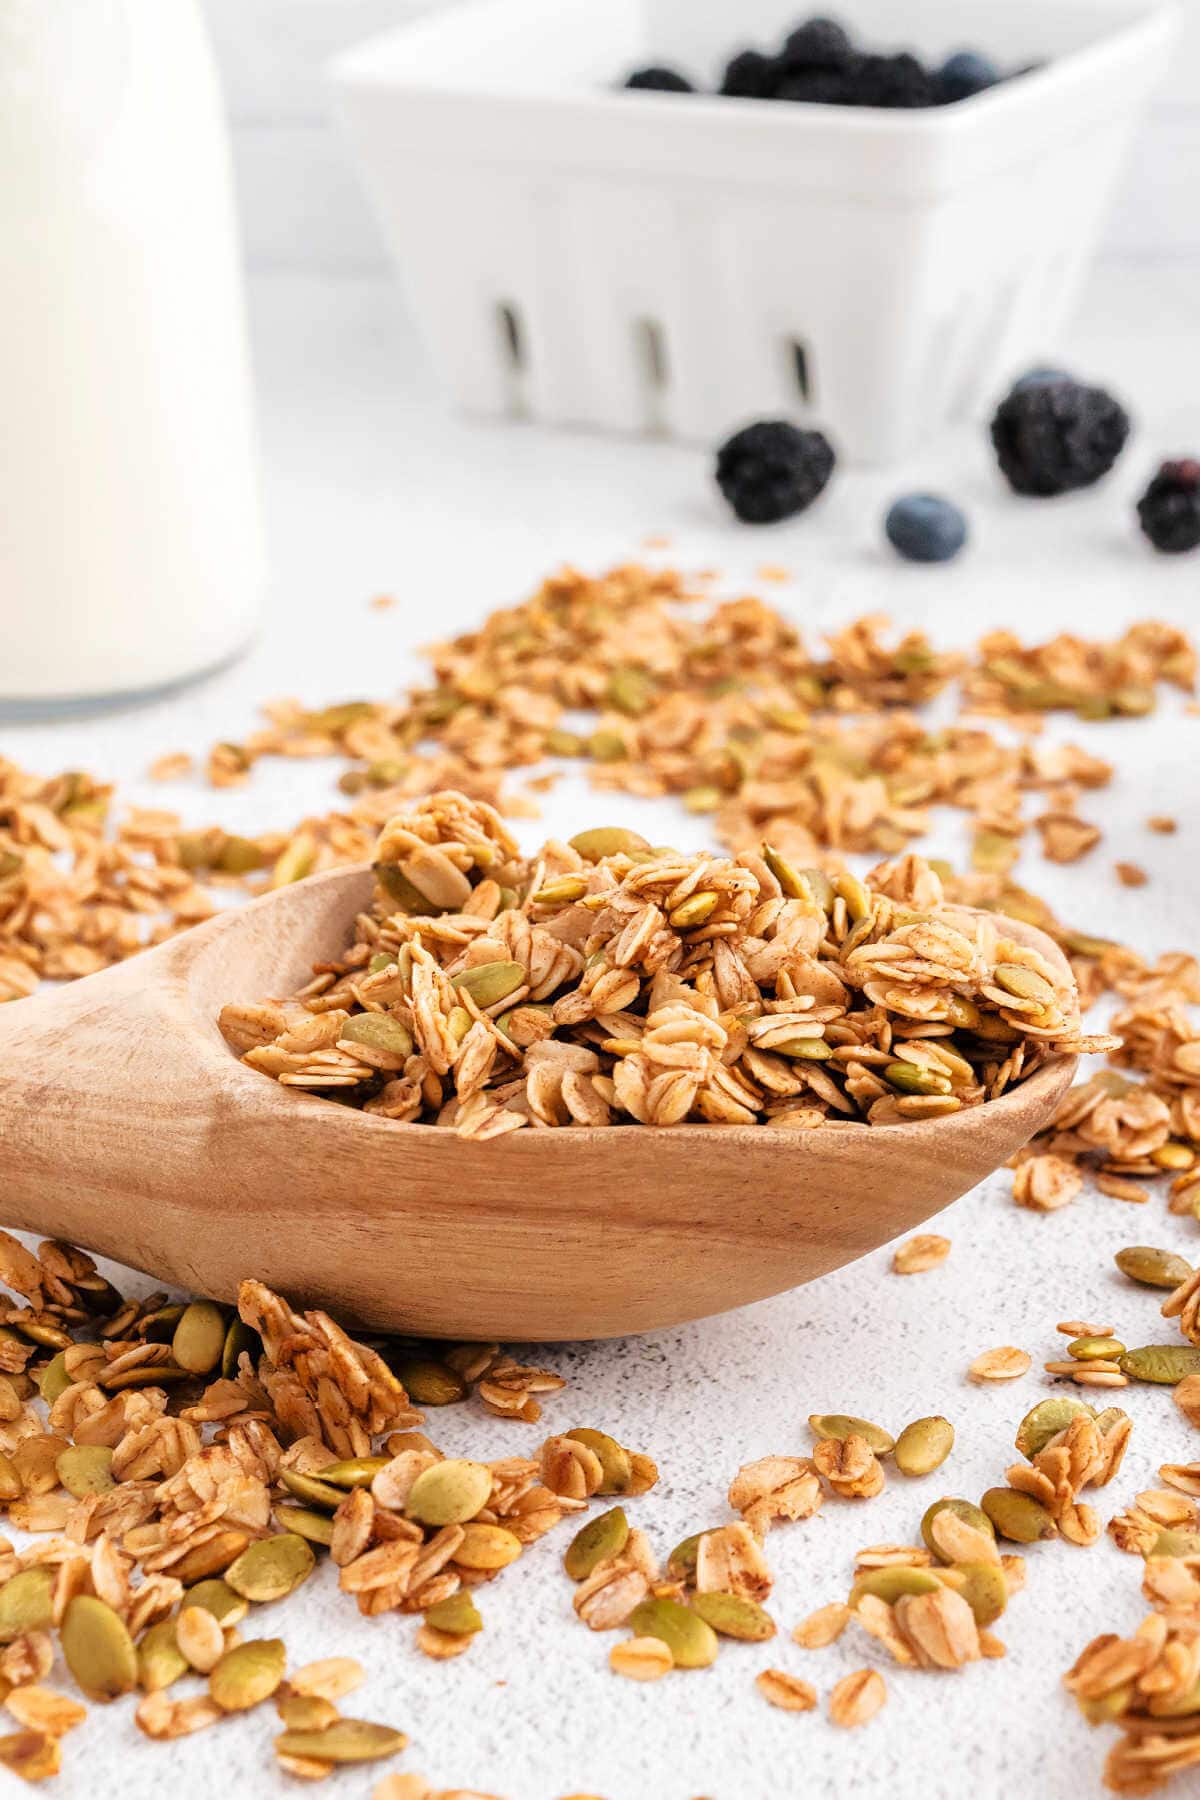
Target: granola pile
602, 981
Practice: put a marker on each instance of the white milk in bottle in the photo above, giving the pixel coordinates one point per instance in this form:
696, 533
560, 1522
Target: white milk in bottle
130, 552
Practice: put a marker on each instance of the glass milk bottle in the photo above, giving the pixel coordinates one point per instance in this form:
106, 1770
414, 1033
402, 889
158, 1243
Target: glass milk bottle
130, 553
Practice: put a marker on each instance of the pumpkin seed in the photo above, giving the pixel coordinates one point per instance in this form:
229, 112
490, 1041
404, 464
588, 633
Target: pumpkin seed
487, 1547
144, 1375
200, 1337
790, 879
489, 983
406, 895
606, 840
561, 892
85, 1469
844, 1425
345, 1741
911, 1079
1045, 1420
50, 1337
317, 1527
1176, 1543
1151, 1267
681, 1564
601, 1538
890, 1583
160, 1661
963, 1509
271, 1568
54, 1379
1104, 1708
457, 1614
1023, 983
311, 1490
450, 1493
804, 1049
1092, 1349
1017, 1516
615, 1461
239, 1341
734, 1616
983, 1587
429, 1382
379, 1031
690, 1639
98, 1649
218, 1598
158, 1327
924, 1445
306, 1712
1163, 1363
353, 1471
630, 690
248, 1674
1175, 1706
26, 1603
210, 1558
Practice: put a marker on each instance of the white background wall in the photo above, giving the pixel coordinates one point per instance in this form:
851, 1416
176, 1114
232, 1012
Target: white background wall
302, 209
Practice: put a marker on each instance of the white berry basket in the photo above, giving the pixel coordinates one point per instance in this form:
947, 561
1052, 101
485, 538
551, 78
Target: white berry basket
683, 263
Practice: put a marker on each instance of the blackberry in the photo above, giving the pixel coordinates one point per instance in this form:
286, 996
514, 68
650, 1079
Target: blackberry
892, 81
925, 528
1052, 436
1169, 510
658, 80
817, 44
751, 76
771, 470
964, 74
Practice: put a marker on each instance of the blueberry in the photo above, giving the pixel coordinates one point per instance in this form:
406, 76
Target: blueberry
925, 528
1040, 378
965, 74
659, 80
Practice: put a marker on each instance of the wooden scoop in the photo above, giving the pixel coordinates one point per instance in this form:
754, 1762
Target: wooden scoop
131, 1128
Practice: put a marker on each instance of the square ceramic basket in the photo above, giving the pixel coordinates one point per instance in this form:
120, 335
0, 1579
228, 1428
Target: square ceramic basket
647, 262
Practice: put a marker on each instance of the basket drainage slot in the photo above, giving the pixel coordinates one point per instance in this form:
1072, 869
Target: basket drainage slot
510, 338
800, 363
650, 348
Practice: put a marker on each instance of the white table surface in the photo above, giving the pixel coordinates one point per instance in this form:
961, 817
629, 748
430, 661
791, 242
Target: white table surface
371, 488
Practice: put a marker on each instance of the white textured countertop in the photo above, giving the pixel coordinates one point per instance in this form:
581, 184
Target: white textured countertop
370, 488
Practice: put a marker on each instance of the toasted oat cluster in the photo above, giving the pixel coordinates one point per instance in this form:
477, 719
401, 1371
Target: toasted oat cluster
604, 982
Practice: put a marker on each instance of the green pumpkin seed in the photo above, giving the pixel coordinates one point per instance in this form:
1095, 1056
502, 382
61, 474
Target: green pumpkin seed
26, 1603
239, 1341
630, 691
218, 1598
734, 1616
11, 1486
924, 1445
1046, 1420
615, 1461
1175, 1706
457, 1614
429, 1382
803, 1049
983, 1587
1153, 1268
353, 1471
450, 1493
382, 959
1106, 1707
844, 1425
1162, 1363
489, 983
98, 1649
791, 880
856, 895
703, 799
1093, 1349
379, 1031
563, 743
345, 1741
607, 840
681, 1564
317, 1527
305, 1712
160, 1661
911, 1079
200, 1337
1018, 1517
1023, 983
595, 1542
271, 1568
890, 1583
50, 1337
963, 1509
690, 1639
1175, 1543
54, 1379
311, 1490
562, 891
406, 896
248, 1674
85, 1469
